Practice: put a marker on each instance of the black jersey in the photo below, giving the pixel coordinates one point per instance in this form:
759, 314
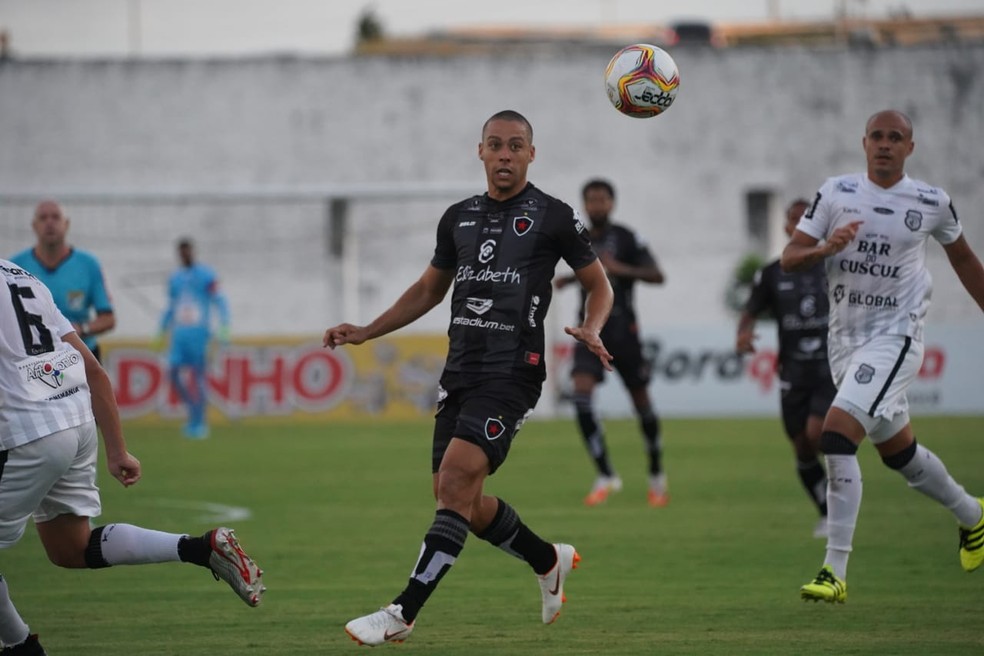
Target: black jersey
626, 246
504, 255
798, 301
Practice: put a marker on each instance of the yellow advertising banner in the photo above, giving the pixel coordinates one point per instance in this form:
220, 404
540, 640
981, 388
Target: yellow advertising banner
388, 378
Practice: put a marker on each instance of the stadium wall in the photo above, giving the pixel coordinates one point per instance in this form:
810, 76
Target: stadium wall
773, 122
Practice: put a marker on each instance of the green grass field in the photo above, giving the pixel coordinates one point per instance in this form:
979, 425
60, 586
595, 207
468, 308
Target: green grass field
338, 512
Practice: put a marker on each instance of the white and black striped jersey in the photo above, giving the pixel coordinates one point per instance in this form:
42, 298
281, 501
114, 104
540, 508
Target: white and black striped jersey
879, 284
504, 255
43, 388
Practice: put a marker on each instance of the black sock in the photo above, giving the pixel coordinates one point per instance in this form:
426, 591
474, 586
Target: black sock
508, 532
93, 551
195, 550
649, 422
443, 543
594, 438
813, 478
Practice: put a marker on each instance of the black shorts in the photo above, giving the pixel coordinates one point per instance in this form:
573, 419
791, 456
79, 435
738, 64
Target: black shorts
807, 390
626, 349
485, 412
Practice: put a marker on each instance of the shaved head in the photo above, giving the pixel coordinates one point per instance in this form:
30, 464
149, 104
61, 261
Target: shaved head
889, 113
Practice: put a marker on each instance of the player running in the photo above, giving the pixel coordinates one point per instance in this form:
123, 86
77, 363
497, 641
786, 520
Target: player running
53, 394
874, 227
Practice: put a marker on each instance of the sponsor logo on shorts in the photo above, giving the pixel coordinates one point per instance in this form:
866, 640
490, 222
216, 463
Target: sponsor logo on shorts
864, 374
494, 428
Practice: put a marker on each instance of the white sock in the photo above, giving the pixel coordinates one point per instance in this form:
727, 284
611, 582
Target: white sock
843, 504
125, 544
13, 631
926, 473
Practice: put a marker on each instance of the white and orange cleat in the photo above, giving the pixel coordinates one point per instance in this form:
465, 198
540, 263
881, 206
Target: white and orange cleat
231, 564
658, 495
603, 486
552, 583
385, 625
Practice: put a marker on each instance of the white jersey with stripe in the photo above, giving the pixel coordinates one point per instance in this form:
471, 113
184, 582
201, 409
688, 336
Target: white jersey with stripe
879, 284
43, 388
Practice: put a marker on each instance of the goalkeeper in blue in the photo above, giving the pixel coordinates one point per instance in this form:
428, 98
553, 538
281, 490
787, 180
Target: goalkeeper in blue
193, 292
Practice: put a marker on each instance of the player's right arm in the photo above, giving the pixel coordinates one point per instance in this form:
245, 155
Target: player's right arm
758, 301
804, 251
429, 290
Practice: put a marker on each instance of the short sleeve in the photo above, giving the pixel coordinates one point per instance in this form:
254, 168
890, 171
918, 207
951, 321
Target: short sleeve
575, 244
445, 253
949, 229
816, 220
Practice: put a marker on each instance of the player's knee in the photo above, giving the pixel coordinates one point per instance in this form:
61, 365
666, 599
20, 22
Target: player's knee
582, 402
835, 444
457, 486
902, 458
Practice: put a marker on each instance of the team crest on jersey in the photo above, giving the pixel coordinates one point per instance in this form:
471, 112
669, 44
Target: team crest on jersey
913, 220
864, 374
522, 225
494, 429
76, 299
808, 306
838, 293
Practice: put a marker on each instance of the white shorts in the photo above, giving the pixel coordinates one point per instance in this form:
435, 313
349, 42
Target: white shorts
52, 476
875, 375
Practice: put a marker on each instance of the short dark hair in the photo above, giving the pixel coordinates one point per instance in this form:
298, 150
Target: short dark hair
185, 242
509, 115
798, 201
598, 183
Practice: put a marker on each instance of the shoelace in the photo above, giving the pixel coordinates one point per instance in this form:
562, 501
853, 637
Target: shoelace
826, 577
967, 535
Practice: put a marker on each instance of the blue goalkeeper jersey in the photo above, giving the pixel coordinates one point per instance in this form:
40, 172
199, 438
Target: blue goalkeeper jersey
192, 292
76, 284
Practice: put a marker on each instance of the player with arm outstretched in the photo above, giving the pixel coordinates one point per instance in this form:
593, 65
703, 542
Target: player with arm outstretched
498, 252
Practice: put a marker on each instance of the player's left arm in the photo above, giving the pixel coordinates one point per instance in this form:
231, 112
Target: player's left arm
968, 268
123, 466
597, 306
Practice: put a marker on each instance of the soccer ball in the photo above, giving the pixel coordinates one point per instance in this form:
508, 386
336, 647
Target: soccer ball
642, 80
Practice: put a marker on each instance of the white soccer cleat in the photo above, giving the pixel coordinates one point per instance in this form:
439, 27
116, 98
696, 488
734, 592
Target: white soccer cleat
385, 625
231, 564
552, 583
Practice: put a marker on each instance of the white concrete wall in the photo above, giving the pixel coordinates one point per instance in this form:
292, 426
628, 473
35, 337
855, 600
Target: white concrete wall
781, 119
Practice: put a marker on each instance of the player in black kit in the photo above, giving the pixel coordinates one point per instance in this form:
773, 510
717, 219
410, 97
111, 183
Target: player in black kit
498, 251
798, 301
626, 259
